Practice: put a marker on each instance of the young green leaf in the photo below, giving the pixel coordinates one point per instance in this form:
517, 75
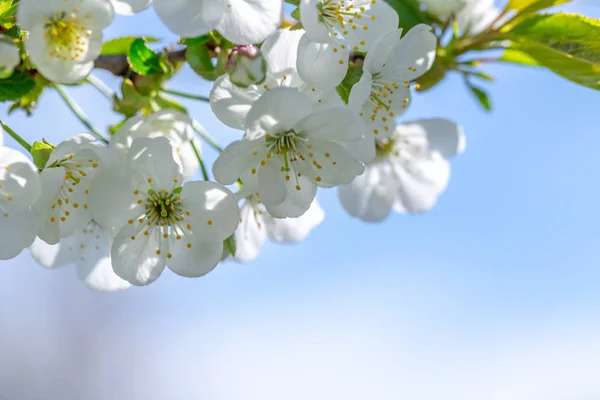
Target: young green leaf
15, 86
143, 60
409, 13
518, 57
40, 152
481, 96
531, 6
122, 45
568, 44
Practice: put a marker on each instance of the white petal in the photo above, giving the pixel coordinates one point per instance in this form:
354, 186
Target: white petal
271, 184
420, 181
360, 92
369, 197
156, 161
322, 64
130, 7
134, 256
380, 52
190, 18
231, 103
250, 21
290, 230
56, 255
417, 49
378, 19
337, 124
70, 146
250, 234
281, 51
98, 275
214, 210
113, 199
197, 260
65, 72
47, 217
339, 168
443, 136
363, 150
18, 230
311, 21
18, 178
278, 110
236, 159
296, 202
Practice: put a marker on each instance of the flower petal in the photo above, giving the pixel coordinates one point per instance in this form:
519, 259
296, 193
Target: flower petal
196, 260
278, 110
130, 7
337, 124
55, 255
70, 146
137, 258
360, 92
214, 210
377, 19
442, 135
250, 21
338, 167
47, 217
236, 159
322, 64
18, 230
190, 18
417, 49
311, 21
281, 51
156, 161
97, 273
231, 103
297, 201
271, 184
18, 178
290, 230
251, 233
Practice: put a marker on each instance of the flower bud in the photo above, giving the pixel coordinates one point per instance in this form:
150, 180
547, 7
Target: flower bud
9, 58
246, 66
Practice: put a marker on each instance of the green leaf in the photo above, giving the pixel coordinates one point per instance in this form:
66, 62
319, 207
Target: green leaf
164, 101
568, 44
122, 45
40, 152
481, 95
132, 101
29, 101
531, 6
144, 60
409, 13
15, 86
518, 57
296, 14
196, 41
352, 77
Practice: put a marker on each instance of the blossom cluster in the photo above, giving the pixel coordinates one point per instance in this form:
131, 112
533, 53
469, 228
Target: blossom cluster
123, 211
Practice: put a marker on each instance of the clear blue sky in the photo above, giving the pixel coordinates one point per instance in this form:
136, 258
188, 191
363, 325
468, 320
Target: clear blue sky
492, 295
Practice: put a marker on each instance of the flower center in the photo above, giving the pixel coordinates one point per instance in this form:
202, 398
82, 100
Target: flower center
164, 208
66, 37
380, 106
345, 16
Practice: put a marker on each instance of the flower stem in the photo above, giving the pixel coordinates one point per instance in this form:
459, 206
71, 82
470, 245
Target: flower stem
16, 136
101, 86
186, 95
204, 135
77, 111
201, 161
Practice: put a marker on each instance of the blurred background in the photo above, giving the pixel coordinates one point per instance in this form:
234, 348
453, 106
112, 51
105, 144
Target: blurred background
493, 295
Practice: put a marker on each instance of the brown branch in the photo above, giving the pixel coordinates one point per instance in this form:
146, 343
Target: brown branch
118, 66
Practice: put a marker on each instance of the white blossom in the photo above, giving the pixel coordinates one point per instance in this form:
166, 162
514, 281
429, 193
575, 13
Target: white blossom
383, 92
246, 66
89, 251
130, 7
158, 221
231, 103
289, 149
172, 124
19, 189
64, 36
472, 15
256, 224
333, 29
63, 207
409, 173
10, 58
239, 21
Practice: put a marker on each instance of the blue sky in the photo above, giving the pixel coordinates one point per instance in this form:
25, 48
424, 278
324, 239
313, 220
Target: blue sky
493, 294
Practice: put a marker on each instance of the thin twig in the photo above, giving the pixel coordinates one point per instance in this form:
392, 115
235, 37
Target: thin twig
204, 135
16, 136
200, 161
78, 112
101, 86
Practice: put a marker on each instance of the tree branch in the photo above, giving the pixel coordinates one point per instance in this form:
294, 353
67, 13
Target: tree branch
118, 66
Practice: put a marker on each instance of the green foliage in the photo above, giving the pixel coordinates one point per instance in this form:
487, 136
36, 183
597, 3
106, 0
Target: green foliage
40, 152
352, 77
568, 44
131, 101
200, 59
481, 96
15, 86
196, 41
29, 101
122, 45
531, 6
8, 8
518, 57
409, 13
143, 60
